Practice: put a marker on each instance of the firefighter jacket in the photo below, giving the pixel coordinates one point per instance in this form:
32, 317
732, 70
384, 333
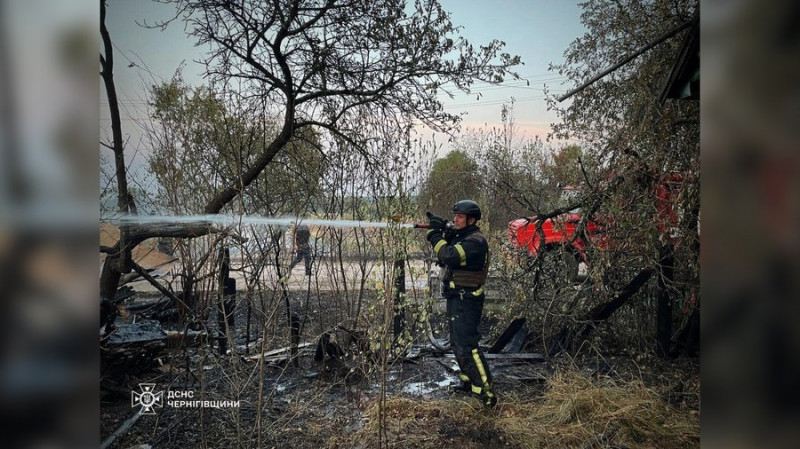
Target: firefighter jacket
301, 236
464, 255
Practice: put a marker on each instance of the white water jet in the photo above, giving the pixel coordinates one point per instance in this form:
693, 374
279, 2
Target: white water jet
250, 219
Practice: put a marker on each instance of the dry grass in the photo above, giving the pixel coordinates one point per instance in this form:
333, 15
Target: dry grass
574, 412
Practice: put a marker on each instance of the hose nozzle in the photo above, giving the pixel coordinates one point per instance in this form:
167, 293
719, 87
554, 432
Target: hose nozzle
448, 225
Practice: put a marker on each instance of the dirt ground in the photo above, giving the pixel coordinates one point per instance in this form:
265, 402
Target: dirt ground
310, 407
326, 276
332, 403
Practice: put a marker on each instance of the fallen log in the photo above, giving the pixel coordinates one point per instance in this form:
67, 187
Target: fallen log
119, 259
604, 311
142, 272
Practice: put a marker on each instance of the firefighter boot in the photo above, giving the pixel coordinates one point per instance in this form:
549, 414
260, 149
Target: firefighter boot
461, 387
489, 400
464, 386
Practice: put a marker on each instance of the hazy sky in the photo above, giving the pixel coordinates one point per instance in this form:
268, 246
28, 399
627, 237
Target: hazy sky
537, 30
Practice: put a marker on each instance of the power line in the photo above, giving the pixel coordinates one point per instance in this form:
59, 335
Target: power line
496, 102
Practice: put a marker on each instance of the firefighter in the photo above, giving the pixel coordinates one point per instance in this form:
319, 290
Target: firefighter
464, 253
302, 248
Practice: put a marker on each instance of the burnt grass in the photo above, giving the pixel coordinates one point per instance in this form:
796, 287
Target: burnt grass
309, 403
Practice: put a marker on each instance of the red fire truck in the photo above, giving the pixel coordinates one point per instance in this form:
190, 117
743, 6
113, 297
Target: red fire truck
561, 232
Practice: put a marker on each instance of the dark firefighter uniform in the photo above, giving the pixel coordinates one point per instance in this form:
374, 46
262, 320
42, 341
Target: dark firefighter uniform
303, 250
464, 254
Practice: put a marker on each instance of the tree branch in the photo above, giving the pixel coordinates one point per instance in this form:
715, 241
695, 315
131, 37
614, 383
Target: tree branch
143, 272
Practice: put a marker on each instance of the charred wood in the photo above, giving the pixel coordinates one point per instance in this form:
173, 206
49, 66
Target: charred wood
132, 348
507, 336
568, 336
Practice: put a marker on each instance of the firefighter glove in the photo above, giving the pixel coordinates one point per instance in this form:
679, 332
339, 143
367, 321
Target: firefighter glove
435, 221
448, 233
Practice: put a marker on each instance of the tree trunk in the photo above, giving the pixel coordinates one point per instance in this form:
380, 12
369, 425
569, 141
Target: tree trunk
225, 317
666, 269
109, 279
688, 338
399, 296
227, 294
229, 193
124, 199
119, 260
187, 295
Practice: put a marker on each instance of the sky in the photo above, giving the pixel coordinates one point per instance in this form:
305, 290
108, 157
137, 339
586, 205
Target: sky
539, 31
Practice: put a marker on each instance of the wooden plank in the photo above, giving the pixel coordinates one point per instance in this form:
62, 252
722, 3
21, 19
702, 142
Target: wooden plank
532, 356
277, 351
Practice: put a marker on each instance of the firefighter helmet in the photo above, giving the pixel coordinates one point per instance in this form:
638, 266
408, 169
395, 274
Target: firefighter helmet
468, 207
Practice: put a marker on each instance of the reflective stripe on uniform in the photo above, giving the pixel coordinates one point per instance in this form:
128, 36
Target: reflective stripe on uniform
476, 389
463, 377
462, 256
452, 285
481, 369
439, 245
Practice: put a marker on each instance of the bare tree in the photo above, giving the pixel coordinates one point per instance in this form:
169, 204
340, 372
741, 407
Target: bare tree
118, 260
319, 64
322, 63
124, 198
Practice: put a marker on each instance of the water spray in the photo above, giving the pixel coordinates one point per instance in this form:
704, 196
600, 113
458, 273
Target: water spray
283, 222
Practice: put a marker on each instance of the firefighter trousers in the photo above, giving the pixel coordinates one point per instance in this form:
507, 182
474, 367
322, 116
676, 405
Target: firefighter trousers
464, 310
303, 253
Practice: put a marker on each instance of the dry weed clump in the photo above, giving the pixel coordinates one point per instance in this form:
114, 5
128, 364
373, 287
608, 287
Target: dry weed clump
576, 411
573, 412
